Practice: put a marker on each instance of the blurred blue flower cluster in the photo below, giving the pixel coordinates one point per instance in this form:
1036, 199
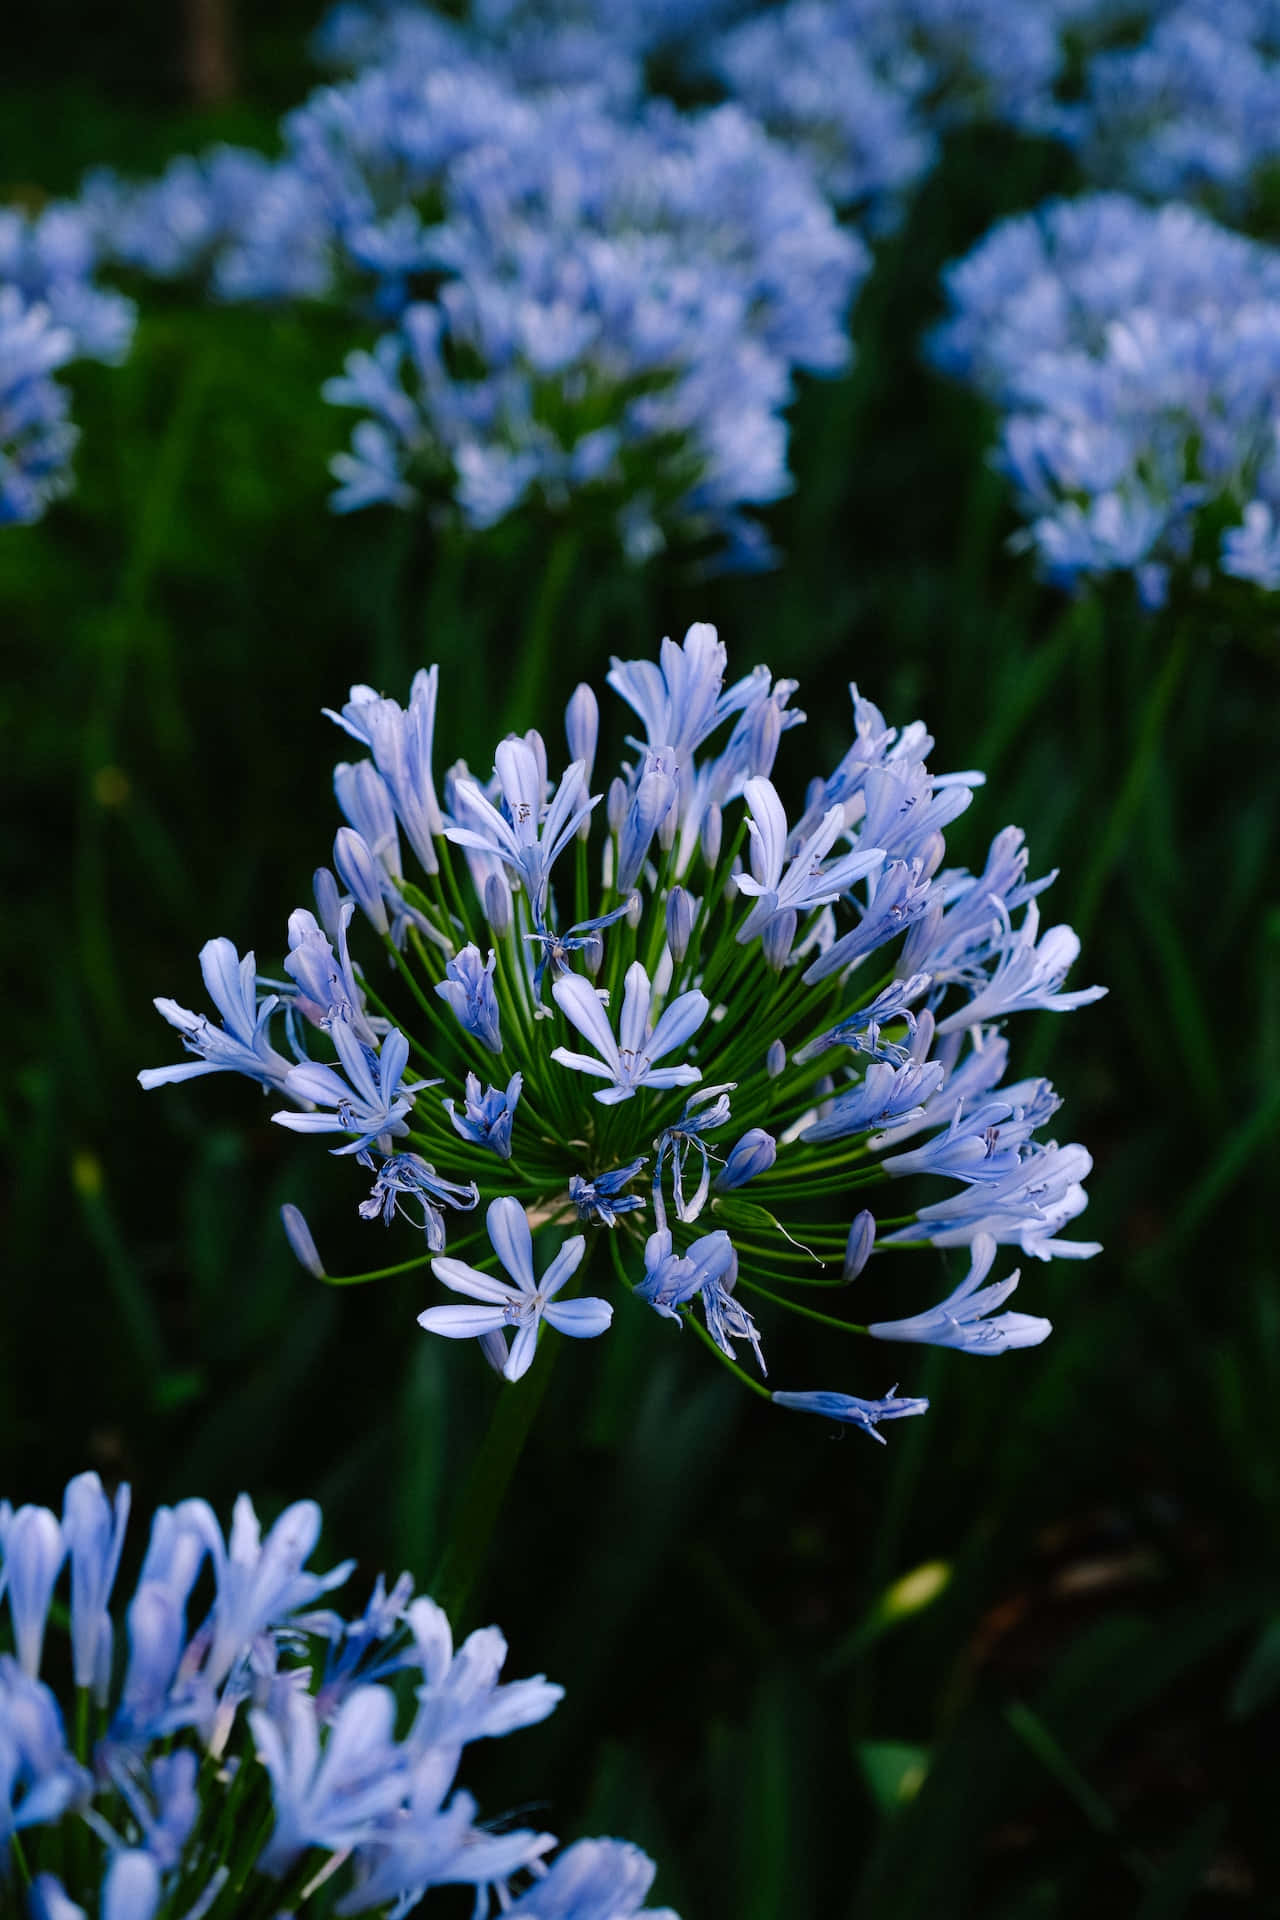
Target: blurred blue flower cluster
865, 87
276, 1751
1134, 354
51, 312
1190, 112
588, 296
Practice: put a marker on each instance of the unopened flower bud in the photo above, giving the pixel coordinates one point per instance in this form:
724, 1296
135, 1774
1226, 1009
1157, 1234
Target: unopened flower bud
681, 912
616, 804
497, 903
494, 1348
359, 873
755, 1153
857, 1248
298, 1234
592, 951
712, 831
328, 902
582, 728
778, 938
922, 1038
775, 1060
635, 911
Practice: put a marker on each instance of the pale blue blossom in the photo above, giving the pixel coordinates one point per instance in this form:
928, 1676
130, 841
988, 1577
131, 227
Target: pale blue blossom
332, 1795
93, 1530
528, 835
1028, 1208
1251, 551
372, 1101
861, 1031
628, 1061
34, 1546
801, 882
468, 988
521, 1303
319, 1701
963, 1319
1133, 353
726, 1317
1028, 974
866, 1414
401, 741
39, 1778
487, 1118
885, 1094
592, 1880
242, 1043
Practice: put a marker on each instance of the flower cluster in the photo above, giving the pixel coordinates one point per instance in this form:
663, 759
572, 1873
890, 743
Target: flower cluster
586, 298
1135, 356
1192, 111
864, 86
264, 1753
708, 1034
50, 313
623, 308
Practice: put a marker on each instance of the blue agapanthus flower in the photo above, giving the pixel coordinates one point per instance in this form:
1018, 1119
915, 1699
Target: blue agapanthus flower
1135, 357
51, 312
233, 1651
1190, 112
808, 1061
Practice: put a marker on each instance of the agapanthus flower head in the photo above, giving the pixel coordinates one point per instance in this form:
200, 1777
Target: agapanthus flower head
1190, 112
1134, 354
154, 1805
801, 1111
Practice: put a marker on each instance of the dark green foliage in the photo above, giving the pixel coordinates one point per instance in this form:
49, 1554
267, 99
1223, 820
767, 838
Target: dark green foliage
1083, 1718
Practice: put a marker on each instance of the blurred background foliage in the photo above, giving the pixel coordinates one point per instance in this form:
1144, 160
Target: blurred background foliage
1025, 1660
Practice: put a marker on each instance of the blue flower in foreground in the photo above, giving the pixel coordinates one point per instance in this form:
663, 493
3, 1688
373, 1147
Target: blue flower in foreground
628, 1060
958, 1320
171, 1810
523, 1305
866, 1414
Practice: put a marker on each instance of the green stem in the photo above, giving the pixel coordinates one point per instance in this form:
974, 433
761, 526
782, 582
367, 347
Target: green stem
536, 651
476, 1518
1126, 804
